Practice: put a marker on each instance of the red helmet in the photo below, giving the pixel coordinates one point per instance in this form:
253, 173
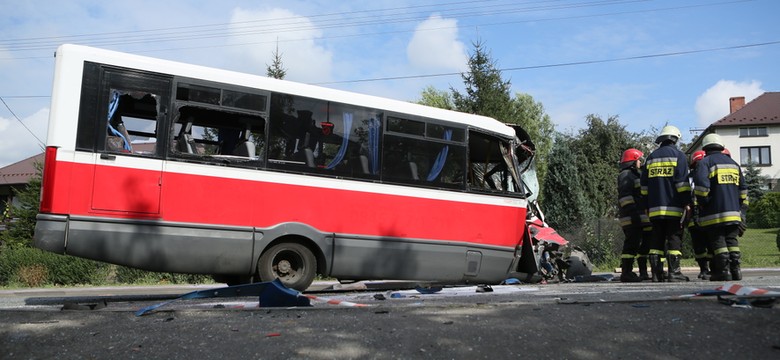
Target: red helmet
726, 152
698, 155
631, 155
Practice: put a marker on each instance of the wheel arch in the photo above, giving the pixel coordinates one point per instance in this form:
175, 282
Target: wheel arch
320, 243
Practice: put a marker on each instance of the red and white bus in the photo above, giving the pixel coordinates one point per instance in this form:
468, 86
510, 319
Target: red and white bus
171, 167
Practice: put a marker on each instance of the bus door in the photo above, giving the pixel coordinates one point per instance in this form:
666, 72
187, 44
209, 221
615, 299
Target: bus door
128, 162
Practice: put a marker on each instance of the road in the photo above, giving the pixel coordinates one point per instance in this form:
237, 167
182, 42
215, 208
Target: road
601, 320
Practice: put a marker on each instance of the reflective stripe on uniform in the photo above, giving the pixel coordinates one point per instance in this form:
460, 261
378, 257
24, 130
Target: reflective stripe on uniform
666, 211
626, 200
720, 218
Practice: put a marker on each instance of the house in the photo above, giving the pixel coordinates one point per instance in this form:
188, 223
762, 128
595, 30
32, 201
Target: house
751, 132
13, 178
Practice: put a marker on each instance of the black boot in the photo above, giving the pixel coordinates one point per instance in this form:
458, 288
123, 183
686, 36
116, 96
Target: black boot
627, 271
641, 263
675, 274
720, 268
704, 268
736, 272
656, 268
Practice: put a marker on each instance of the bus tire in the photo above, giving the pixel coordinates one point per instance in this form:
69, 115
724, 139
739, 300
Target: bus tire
293, 263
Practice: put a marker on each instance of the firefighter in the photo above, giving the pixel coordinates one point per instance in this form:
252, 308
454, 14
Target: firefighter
698, 236
721, 193
667, 191
630, 210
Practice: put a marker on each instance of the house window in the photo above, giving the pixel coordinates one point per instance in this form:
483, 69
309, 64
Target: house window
758, 155
753, 131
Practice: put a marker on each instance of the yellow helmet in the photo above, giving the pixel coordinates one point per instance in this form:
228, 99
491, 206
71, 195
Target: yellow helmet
669, 132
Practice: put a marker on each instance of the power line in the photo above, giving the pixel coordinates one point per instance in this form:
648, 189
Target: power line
586, 62
20, 121
292, 24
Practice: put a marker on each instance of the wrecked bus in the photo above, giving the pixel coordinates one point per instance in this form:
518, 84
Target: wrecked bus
172, 167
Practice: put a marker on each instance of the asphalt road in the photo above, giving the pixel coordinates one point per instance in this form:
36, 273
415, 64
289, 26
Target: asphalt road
601, 320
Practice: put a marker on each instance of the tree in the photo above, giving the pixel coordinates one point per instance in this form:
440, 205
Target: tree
19, 232
530, 115
276, 70
436, 98
565, 201
754, 181
488, 94
599, 146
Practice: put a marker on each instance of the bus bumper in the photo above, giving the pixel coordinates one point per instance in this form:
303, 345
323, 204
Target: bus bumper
50, 232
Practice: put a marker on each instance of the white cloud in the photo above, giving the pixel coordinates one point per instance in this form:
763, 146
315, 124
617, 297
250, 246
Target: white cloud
713, 104
435, 46
261, 30
18, 143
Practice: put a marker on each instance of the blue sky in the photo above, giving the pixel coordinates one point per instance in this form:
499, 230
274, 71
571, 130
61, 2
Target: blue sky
648, 62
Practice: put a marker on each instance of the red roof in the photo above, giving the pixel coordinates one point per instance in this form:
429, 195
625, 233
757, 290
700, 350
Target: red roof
20, 172
763, 110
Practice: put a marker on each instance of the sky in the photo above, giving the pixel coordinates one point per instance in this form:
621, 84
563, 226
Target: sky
648, 62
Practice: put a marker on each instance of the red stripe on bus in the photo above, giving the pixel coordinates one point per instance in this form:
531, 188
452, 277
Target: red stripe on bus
214, 200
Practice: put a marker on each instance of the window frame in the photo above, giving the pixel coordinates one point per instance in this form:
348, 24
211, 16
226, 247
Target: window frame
747, 150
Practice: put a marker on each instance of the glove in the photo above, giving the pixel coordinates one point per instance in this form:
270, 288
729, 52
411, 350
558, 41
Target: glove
742, 227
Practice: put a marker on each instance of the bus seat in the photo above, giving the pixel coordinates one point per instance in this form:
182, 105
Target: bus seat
309, 157
413, 169
185, 142
364, 164
245, 148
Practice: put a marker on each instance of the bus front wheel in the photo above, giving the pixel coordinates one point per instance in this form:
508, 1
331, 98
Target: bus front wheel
294, 264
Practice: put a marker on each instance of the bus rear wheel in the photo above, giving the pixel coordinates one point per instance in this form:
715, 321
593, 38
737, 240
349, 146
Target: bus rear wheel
294, 264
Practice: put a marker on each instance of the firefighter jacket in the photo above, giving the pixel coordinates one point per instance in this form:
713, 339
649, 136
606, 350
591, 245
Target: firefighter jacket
630, 204
720, 190
665, 184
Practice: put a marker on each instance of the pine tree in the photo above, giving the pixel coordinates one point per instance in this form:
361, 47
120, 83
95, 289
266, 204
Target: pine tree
276, 70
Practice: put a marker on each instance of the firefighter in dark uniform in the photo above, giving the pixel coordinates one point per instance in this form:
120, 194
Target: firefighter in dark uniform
721, 193
630, 211
698, 236
667, 191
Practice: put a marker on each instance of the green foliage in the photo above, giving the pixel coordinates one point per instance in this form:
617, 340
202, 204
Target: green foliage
486, 92
126, 275
59, 269
436, 98
754, 181
19, 232
276, 70
565, 203
765, 213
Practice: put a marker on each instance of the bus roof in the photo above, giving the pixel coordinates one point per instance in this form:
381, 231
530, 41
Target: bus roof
85, 53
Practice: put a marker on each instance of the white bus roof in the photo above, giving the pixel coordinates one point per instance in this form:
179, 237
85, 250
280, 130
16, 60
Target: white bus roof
84, 53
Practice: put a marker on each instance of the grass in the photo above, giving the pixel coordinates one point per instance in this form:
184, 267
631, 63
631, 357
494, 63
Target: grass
758, 247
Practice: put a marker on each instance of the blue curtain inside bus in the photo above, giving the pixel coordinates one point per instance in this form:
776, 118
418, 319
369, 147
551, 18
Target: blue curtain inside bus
344, 141
438, 165
373, 145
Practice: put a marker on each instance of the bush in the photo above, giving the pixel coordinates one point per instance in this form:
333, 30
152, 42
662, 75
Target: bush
126, 275
25, 265
765, 213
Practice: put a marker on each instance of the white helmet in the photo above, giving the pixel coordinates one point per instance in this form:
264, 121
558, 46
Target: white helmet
712, 142
669, 132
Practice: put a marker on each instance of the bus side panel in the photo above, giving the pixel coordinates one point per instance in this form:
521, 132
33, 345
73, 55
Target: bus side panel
148, 245
331, 209
382, 258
